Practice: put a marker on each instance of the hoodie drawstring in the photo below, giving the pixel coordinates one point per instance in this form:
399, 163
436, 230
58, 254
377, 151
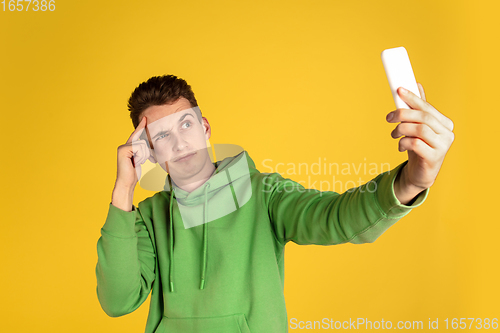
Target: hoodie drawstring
205, 232
171, 242
205, 236
205, 241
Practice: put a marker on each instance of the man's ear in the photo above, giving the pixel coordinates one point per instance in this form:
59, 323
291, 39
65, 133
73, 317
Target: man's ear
152, 156
207, 129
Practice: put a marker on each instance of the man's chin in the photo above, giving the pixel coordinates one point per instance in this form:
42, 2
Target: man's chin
189, 166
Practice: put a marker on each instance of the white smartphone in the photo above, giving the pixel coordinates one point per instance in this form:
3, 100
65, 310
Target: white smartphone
399, 74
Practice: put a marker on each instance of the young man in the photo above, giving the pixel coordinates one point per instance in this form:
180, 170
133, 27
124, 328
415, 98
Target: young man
210, 246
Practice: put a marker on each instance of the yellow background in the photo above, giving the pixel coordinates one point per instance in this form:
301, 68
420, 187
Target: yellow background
290, 81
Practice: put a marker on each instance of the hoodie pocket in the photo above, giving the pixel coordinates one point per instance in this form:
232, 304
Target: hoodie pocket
235, 323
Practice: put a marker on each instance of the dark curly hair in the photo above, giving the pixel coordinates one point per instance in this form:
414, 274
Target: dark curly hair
159, 90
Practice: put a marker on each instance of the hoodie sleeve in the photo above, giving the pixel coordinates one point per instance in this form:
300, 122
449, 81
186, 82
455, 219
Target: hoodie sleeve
125, 268
359, 215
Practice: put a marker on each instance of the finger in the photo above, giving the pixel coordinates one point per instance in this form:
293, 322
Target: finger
145, 152
150, 142
421, 90
139, 156
413, 100
420, 131
140, 152
138, 131
417, 116
416, 145
417, 103
136, 152
138, 172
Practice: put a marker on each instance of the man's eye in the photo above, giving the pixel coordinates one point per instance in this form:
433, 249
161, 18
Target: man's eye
161, 136
188, 123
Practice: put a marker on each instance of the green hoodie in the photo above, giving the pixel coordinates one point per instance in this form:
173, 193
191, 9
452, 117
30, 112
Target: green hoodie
219, 267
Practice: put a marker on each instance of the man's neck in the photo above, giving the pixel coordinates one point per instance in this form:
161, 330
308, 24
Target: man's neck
203, 176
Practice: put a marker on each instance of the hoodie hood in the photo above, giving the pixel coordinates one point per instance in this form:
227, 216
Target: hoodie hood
225, 191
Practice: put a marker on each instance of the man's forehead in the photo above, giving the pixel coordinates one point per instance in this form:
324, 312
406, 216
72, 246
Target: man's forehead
173, 118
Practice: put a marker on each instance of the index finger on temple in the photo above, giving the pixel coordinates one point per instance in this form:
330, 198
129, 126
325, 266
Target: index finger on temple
138, 131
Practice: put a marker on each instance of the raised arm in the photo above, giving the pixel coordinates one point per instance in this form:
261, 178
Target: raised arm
126, 262
359, 215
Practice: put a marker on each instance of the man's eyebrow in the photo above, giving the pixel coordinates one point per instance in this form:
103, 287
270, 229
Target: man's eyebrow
184, 116
165, 131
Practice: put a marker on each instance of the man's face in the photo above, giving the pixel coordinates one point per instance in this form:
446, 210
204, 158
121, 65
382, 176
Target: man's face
178, 139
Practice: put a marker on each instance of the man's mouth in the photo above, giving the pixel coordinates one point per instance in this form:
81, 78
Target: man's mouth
184, 157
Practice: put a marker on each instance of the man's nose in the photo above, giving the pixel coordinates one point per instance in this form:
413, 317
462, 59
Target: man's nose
179, 142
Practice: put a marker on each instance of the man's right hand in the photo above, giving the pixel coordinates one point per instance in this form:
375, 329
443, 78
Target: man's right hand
131, 156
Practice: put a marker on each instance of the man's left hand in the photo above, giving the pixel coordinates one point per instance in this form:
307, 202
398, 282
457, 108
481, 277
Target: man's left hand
428, 136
